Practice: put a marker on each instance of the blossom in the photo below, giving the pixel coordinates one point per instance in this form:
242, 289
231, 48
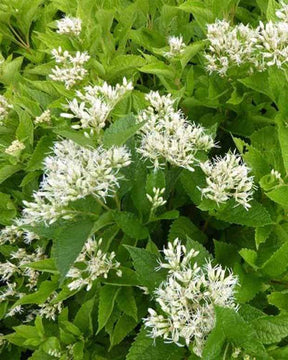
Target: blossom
45, 117
176, 45
156, 199
69, 26
49, 309
187, 298
95, 263
15, 148
282, 13
228, 178
230, 46
94, 105
4, 108
73, 172
167, 136
71, 68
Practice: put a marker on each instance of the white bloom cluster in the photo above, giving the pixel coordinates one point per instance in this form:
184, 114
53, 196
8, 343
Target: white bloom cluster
49, 309
71, 173
258, 48
94, 263
4, 108
187, 298
168, 137
226, 178
176, 45
94, 105
71, 68
12, 233
230, 46
156, 199
44, 118
69, 26
15, 148
14, 266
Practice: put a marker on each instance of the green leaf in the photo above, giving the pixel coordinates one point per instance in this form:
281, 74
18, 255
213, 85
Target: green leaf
283, 139
46, 265
83, 318
107, 299
126, 302
123, 327
68, 243
158, 68
8, 170
42, 149
279, 195
38, 297
183, 227
130, 225
7, 209
144, 348
271, 329
279, 299
25, 129
256, 216
145, 264
277, 263
238, 332
120, 131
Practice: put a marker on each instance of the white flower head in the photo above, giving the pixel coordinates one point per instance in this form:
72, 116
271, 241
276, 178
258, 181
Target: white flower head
156, 199
69, 26
167, 137
177, 46
44, 118
15, 148
4, 108
70, 68
187, 298
95, 263
93, 107
71, 173
228, 177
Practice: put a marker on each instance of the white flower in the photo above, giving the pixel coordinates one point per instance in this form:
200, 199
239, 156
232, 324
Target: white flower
49, 309
15, 148
168, 137
71, 68
45, 117
71, 173
282, 13
69, 26
4, 108
94, 105
187, 298
176, 45
156, 199
230, 46
227, 178
95, 264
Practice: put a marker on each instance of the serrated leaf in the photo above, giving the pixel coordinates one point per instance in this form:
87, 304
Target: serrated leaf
144, 348
107, 299
271, 329
126, 302
145, 264
256, 216
130, 225
120, 131
41, 150
68, 243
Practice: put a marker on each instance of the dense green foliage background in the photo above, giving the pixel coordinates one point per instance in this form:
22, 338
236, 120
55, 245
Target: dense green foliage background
247, 113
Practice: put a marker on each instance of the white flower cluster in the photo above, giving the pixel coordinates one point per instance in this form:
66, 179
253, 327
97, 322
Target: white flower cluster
49, 309
44, 118
12, 233
94, 105
71, 173
187, 298
168, 137
230, 46
4, 108
94, 263
15, 148
177, 46
71, 68
69, 26
156, 199
14, 266
258, 48
226, 178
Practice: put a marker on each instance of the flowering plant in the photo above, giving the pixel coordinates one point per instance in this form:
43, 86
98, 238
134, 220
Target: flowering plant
143, 195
